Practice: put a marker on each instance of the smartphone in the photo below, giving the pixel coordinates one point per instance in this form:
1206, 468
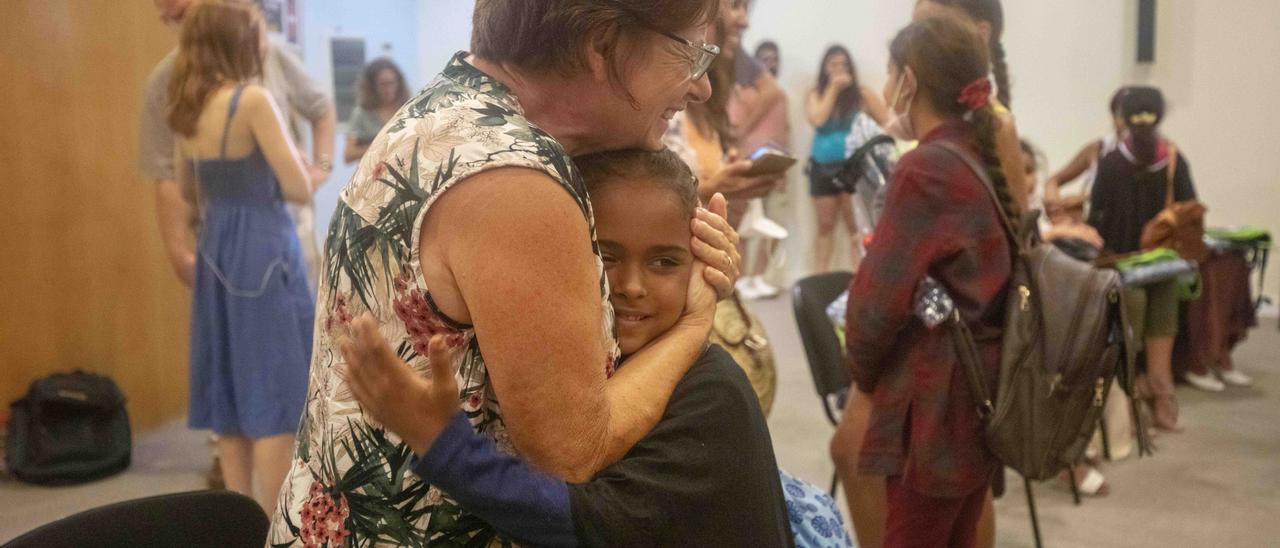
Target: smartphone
769, 161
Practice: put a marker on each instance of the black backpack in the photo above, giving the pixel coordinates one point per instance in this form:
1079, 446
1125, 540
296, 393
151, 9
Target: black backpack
70, 428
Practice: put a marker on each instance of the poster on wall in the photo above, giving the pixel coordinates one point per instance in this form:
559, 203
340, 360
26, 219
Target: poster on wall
284, 21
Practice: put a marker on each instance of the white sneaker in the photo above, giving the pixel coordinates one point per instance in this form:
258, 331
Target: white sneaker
763, 289
1207, 382
747, 288
1235, 378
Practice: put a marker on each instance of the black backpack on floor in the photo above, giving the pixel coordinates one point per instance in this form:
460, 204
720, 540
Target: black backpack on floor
70, 428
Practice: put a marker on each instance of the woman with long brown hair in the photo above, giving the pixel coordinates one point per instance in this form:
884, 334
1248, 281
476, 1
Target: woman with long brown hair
380, 92
866, 494
923, 433
252, 311
834, 106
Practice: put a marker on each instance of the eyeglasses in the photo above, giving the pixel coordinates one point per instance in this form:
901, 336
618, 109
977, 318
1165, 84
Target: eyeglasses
703, 54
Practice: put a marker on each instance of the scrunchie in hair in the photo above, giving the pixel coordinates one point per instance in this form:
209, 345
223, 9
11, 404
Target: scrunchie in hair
976, 95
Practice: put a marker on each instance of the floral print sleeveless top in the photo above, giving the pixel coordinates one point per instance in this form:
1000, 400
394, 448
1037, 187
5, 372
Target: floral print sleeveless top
350, 482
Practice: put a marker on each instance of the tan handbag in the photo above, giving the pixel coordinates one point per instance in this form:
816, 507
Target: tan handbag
1180, 225
742, 336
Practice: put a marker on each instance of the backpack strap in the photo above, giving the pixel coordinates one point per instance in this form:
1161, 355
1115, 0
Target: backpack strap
967, 350
966, 347
231, 112
1173, 172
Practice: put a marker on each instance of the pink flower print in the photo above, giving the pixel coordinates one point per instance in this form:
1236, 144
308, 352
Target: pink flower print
403, 280
420, 321
609, 365
324, 520
379, 171
339, 316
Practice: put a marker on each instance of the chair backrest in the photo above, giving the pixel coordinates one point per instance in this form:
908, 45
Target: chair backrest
194, 519
810, 298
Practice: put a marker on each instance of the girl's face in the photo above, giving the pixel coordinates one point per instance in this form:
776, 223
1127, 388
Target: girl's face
644, 240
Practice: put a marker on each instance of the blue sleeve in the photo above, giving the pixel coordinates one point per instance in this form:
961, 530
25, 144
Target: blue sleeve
525, 504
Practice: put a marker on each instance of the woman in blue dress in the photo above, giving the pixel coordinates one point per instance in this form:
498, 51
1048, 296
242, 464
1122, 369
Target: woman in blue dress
252, 313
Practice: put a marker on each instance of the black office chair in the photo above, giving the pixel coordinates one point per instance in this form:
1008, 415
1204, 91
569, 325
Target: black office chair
810, 298
195, 519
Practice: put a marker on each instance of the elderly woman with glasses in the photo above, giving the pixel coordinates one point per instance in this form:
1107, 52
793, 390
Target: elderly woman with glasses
468, 218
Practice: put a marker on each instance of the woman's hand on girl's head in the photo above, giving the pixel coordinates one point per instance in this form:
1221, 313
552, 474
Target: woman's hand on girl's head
412, 407
715, 244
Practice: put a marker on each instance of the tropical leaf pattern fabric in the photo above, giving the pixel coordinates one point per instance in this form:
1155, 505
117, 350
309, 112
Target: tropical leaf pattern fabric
350, 483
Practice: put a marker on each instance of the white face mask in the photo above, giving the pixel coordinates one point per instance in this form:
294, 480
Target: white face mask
899, 124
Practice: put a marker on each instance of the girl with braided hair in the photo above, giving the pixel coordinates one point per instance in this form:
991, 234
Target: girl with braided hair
923, 431
988, 17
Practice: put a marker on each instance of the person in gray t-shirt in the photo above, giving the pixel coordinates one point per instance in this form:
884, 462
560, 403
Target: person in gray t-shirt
380, 92
301, 100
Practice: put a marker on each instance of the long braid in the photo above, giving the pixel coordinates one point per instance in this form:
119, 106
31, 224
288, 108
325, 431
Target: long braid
985, 127
992, 13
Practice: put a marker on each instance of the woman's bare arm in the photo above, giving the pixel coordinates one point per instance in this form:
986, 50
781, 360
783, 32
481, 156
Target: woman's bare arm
353, 151
282, 155
1071, 171
818, 106
874, 106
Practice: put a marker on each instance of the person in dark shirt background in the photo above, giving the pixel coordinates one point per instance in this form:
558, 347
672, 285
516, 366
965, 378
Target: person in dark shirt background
1130, 191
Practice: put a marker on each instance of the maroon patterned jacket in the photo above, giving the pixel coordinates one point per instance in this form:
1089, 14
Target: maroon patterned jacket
938, 220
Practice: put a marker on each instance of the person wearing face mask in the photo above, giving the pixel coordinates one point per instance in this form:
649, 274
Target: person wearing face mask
922, 430
380, 91
988, 17
1131, 188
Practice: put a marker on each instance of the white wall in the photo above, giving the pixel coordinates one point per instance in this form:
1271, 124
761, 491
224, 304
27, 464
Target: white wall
1216, 61
446, 30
